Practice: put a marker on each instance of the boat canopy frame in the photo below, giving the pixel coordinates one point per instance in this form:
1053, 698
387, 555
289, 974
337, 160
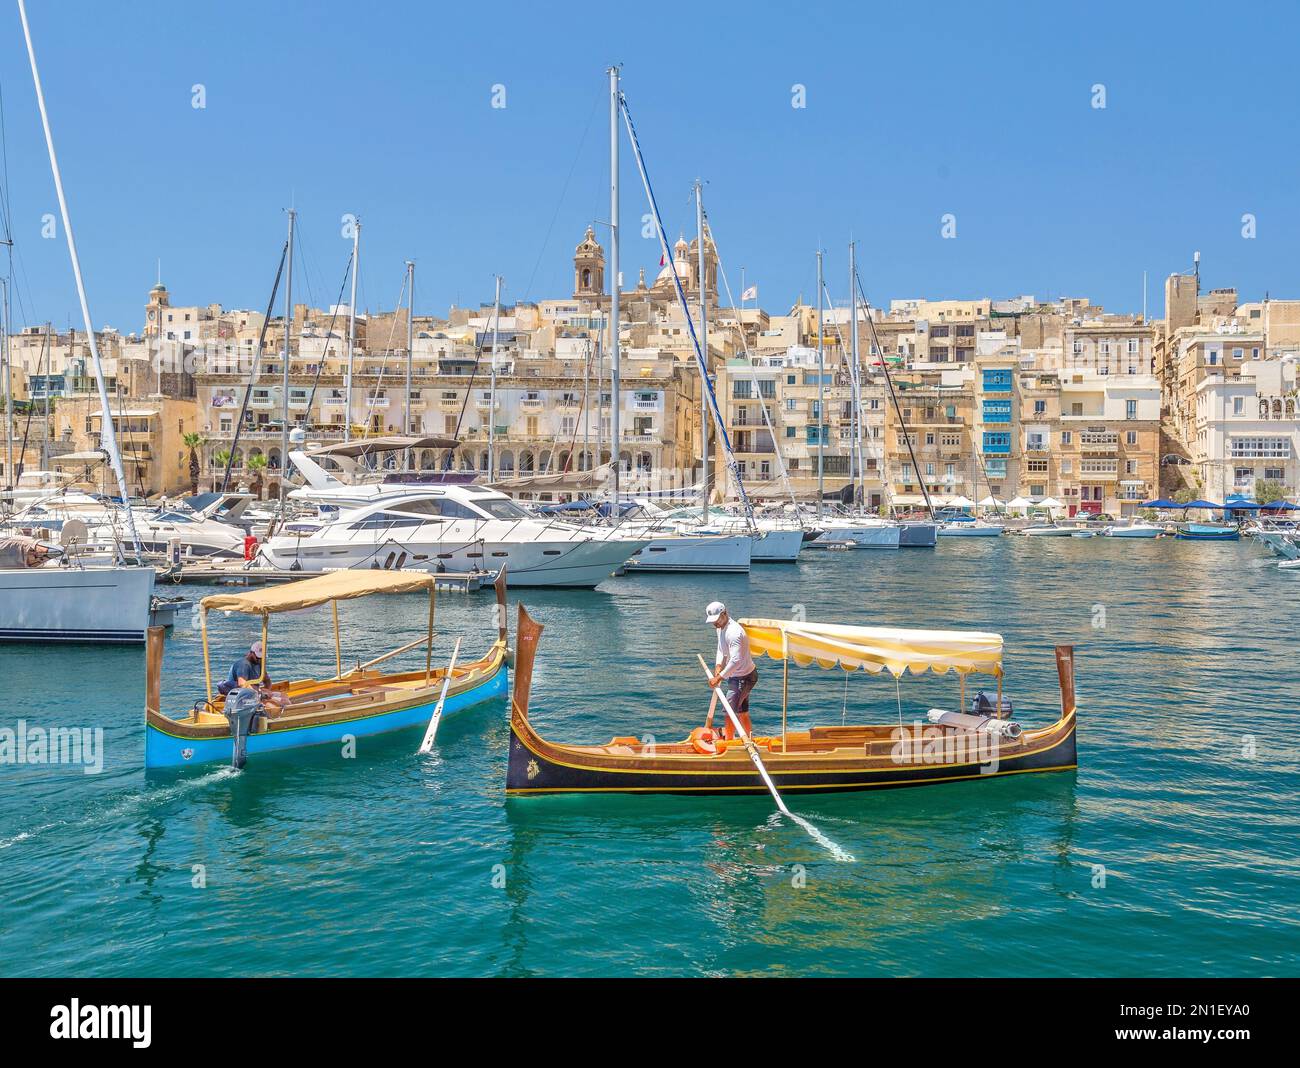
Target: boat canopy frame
329, 588
874, 649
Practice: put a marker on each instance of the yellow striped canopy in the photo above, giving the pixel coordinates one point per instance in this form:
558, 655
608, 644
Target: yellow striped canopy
309, 592
876, 649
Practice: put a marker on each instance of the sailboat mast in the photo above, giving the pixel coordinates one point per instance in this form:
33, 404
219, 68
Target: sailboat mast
615, 283
352, 331
492, 392
410, 353
8, 387
860, 477
284, 379
704, 347
109, 433
821, 392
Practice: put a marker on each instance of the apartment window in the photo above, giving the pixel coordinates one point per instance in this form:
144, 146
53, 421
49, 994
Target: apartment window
1260, 448
1040, 407
1065, 437
1254, 354
789, 431
1274, 474
939, 353
997, 381
1131, 438
1037, 491
1238, 405
448, 424
1078, 347
1067, 467
740, 389
997, 443
929, 439
1130, 409
929, 470
949, 471
766, 388
1130, 467
1036, 467
1213, 357
1237, 354
1105, 348
1132, 346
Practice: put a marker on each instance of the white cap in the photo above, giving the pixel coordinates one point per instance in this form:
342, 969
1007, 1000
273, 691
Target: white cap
256, 649
715, 609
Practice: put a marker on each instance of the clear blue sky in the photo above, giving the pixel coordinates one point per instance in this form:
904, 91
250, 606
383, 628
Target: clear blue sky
384, 109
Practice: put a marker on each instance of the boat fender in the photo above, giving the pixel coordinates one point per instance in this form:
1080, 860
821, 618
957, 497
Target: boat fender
243, 706
703, 741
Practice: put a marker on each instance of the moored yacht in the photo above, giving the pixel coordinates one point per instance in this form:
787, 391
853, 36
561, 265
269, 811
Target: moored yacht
449, 528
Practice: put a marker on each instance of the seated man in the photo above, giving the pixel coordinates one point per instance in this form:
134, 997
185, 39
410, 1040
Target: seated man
251, 671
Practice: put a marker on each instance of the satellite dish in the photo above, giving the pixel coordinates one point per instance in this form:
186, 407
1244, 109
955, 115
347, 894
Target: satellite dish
73, 534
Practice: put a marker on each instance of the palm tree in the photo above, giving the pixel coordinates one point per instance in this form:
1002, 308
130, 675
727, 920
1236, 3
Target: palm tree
193, 442
219, 460
257, 464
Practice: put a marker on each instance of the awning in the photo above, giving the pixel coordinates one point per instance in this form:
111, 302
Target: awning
876, 649
308, 593
365, 446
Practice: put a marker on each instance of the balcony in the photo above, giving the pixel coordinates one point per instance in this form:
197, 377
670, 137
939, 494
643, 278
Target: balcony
532, 404
376, 402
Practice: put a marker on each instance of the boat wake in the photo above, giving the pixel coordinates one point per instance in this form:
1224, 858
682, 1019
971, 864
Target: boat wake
126, 805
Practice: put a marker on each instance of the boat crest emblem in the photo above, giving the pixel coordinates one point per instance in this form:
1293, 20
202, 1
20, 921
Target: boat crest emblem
533, 770
186, 754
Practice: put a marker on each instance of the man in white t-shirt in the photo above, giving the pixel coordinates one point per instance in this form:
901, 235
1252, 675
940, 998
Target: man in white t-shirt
734, 667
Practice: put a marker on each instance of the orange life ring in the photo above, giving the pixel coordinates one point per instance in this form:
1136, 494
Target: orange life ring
702, 741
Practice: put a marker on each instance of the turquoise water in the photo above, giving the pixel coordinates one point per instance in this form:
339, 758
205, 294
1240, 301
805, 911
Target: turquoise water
396, 864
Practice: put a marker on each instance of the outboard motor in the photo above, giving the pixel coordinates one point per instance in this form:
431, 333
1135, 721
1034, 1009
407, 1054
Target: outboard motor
984, 705
242, 708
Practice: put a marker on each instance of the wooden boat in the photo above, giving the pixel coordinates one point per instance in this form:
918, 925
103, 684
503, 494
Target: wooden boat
1207, 532
826, 759
362, 700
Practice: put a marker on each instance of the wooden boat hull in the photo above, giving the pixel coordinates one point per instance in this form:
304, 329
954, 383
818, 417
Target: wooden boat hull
823, 759
178, 743
548, 769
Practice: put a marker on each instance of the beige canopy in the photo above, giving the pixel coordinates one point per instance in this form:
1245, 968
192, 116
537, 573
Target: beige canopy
308, 593
876, 649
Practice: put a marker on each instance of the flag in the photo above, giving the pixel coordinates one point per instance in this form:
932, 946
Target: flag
663, 260
750, 294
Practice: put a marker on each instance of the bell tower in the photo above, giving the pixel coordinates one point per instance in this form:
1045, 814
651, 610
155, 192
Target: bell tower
153, 311
589, 267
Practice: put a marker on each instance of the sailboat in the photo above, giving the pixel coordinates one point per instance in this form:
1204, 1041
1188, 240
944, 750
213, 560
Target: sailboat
62, 600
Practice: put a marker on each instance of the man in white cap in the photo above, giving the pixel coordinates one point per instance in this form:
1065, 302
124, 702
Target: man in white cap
734, 667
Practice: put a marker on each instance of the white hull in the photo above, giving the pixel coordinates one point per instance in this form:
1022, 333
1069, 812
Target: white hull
778, 546
578, 562
969, 530
1141, 530
882, 536
108, 604
1048, 532
695, 552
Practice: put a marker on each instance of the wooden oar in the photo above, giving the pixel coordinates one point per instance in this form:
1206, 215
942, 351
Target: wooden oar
427, 745
750, 747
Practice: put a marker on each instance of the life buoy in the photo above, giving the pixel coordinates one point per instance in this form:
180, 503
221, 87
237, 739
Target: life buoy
703, 741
